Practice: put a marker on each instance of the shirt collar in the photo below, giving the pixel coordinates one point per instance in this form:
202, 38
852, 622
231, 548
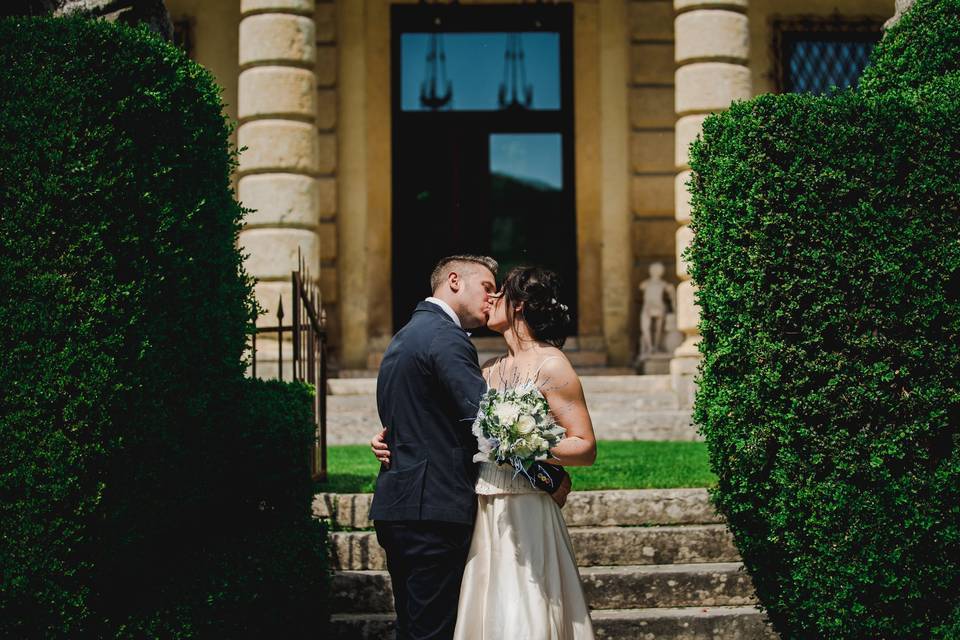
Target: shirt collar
446, 308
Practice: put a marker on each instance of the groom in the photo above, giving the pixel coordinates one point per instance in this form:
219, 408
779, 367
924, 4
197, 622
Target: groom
428, 390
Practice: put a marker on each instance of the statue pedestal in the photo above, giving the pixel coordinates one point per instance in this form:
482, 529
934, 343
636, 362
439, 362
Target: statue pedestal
658, 362
653, 363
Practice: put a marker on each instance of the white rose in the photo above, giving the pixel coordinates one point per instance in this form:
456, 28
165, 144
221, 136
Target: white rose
537, 443
507, 413
526, 424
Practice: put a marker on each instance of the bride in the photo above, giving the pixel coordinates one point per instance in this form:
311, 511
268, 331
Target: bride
521, 579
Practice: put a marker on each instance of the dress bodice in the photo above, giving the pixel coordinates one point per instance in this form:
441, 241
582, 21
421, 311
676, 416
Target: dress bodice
495, 479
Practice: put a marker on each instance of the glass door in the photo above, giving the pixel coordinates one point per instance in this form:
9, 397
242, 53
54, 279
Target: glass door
482, 141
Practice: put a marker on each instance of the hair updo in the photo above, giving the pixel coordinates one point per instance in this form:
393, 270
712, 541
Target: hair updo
539, 291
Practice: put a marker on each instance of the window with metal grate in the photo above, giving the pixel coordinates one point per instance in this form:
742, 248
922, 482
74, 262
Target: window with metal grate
815, 55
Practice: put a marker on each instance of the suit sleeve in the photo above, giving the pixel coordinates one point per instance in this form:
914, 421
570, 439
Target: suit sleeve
454, 360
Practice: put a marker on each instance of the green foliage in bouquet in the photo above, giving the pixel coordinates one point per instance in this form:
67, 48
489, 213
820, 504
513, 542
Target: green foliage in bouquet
514, 426
146, 488
828, 264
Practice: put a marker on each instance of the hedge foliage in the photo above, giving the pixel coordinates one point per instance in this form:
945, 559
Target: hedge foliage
827, 257
923, 46
146, 487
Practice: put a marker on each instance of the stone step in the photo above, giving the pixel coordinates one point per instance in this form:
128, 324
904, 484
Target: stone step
671, 585
582, 371
633, 507
672, 425
594, 546
632, 384
630, 401
499, 345
681, 623
670, 544
631, 587
579, 359
356, 425
622, 401
639, 507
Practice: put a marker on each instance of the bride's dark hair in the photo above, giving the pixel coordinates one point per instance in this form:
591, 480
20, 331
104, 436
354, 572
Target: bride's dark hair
539, 291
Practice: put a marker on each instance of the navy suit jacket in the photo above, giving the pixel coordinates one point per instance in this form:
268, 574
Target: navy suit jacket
428, 391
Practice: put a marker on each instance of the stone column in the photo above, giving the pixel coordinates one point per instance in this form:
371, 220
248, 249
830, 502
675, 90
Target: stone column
617, 256
278, 170
711, 52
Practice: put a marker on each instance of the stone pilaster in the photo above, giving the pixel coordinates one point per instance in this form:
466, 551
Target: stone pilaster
277, 110
711, 52
652, 122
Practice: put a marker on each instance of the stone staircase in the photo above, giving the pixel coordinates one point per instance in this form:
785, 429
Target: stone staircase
623, 407
654, 564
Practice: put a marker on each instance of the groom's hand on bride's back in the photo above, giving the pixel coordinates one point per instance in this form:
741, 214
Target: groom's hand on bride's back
380, 450
378, 445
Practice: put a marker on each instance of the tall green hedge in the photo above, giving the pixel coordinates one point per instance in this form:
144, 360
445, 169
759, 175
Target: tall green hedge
827, 257
146, 487
923, 46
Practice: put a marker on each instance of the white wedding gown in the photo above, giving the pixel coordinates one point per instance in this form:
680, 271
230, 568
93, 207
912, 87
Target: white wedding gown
521, 580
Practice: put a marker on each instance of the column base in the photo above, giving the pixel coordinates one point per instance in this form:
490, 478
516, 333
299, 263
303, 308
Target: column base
684, 368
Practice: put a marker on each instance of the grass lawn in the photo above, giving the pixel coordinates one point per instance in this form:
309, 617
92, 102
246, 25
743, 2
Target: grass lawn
620, 465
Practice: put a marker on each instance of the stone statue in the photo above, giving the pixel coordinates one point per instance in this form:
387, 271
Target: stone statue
655, 292
152, 12
902, 7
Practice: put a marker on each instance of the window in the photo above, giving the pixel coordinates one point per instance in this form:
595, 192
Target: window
479, 71
815, 55
183, 34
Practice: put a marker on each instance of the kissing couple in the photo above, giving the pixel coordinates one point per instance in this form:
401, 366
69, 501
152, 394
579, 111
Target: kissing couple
480, 551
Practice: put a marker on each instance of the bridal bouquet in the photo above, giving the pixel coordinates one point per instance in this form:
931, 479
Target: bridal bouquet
514, 426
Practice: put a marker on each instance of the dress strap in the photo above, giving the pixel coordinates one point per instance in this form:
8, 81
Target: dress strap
536, 375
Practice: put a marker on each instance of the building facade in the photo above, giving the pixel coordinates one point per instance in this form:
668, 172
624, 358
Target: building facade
379, 135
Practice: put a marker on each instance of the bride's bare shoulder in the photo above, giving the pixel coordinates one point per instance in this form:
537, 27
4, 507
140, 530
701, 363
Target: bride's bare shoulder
555, 370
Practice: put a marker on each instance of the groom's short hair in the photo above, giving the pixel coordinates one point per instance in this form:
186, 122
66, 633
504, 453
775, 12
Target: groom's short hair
450, 263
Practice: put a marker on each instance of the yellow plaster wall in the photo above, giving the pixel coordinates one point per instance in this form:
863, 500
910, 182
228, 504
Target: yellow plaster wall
353, 183
651, 130
587, 167
216, 29
618, 252
328, 120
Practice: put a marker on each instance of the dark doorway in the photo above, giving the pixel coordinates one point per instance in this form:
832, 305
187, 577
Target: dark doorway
482, 141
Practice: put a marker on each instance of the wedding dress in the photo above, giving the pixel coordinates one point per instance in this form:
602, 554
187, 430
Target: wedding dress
521, 580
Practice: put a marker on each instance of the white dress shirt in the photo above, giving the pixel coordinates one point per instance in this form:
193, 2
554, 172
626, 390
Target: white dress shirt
446, 308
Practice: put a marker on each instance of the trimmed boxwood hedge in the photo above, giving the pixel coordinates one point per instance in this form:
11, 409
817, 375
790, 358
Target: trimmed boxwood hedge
146, 487
827, 256
923, 46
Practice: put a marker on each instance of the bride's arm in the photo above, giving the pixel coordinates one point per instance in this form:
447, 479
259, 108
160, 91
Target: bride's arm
564, 394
